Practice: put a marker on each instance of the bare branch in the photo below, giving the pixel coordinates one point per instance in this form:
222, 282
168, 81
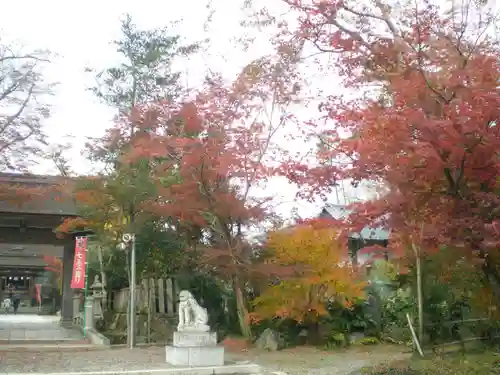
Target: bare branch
22, 107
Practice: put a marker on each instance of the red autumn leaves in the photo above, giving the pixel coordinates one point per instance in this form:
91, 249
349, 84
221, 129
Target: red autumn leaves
429, 130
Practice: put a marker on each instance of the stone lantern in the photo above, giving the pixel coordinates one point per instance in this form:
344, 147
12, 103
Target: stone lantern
98, 295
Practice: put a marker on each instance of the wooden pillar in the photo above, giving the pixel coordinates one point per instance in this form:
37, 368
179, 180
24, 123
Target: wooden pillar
29, 291
170, 297
144, 292
161, 295
152, 295
67, 292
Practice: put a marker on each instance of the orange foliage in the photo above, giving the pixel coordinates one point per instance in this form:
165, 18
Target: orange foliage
322, 274
98, 207
71, 224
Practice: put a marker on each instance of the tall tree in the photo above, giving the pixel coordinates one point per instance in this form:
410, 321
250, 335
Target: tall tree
146, 73
203, 195
221, 147
110, 202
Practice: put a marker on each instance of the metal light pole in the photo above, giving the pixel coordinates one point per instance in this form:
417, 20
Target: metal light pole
129, 240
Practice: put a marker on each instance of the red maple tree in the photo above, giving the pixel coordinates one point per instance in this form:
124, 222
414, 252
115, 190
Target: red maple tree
206, 157
194, 149
429, 131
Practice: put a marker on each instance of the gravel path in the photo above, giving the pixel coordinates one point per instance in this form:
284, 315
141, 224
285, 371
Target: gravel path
293, 362
310, 361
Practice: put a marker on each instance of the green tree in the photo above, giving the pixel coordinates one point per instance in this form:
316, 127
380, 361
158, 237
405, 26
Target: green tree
110, 203
146, 73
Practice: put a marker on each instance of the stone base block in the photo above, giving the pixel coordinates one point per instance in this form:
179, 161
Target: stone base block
195, 356
190, 339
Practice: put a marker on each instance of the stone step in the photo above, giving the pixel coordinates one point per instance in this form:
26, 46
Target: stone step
73, 346
46, 342
235, 369
37, 344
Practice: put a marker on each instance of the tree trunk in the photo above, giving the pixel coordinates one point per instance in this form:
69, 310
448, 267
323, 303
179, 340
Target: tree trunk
104, 280
241, 309
420, 301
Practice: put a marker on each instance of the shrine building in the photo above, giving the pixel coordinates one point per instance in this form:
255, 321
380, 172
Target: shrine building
28, 240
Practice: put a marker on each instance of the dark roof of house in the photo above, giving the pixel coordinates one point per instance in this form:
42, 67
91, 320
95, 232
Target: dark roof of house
338, 212
50, 197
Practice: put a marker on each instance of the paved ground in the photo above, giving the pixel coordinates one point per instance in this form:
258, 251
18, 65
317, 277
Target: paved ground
297, 361
21, 329
24, 328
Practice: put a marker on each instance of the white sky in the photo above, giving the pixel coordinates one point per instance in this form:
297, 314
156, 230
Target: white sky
80, 34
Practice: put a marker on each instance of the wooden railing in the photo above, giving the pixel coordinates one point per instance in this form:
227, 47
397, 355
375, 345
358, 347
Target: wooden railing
161, 293
459, 335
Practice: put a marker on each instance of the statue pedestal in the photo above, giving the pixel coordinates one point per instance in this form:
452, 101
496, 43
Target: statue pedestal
195, 349
187, 339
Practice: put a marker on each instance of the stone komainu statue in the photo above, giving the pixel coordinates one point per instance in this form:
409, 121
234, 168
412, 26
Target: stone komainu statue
192, 316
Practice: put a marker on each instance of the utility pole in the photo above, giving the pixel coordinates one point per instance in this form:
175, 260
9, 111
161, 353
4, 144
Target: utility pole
420, 297
129, 241
132, 293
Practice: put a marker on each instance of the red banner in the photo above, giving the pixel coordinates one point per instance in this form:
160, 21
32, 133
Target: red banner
79, 269
38, 292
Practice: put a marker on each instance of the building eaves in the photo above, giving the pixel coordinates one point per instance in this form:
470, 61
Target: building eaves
339, 212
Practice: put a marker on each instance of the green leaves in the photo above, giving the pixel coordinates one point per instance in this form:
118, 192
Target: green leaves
160, 249
146, 74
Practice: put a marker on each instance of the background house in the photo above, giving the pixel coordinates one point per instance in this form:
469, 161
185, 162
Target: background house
358, 241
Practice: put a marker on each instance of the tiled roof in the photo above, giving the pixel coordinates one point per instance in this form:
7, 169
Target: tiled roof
338, 212
52, 199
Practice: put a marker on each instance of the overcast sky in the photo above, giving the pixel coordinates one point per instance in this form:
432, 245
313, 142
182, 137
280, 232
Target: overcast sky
80, 34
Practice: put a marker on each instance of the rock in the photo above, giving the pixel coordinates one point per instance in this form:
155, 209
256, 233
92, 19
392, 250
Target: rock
302, 337
269, 340
355, 337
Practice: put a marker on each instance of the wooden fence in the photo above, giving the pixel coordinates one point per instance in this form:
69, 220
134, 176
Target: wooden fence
162, 293
458, 335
